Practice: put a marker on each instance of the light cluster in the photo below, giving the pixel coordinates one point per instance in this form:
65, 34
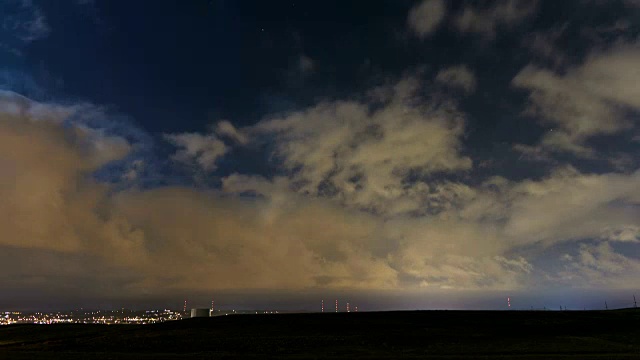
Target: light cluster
90, 317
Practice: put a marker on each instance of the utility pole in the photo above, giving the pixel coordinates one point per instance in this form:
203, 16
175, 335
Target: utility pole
635, 305
606, 307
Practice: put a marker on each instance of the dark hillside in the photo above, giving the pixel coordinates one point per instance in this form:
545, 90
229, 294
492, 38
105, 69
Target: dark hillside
424, 334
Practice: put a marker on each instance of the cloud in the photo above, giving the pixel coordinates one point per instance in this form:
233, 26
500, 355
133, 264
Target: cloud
587, 100
14, 104
501, 13
46, 178
292, 240
226, 129
134, 170
544, 44
203, 150
425, 17
600, 265
349, 150
457, 77
255, 244
54, 208
285, 239
344, 213
629, 233
306, 65
23, 22
569, 205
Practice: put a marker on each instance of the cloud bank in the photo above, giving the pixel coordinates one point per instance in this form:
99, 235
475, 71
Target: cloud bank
365, 200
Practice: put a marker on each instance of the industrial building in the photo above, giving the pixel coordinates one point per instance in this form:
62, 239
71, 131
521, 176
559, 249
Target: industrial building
202, 312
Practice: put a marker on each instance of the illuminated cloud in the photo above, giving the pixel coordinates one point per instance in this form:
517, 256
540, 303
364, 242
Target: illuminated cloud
628, 233
485, 21
587, 100
457, 77
227, 130
599, 265
194, 148
569, 205
350, 151
16, 105
425, 17
374, 231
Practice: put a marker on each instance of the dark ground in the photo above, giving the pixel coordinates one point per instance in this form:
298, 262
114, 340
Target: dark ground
424, 334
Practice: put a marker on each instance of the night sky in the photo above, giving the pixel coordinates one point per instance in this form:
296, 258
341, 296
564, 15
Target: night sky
397, 154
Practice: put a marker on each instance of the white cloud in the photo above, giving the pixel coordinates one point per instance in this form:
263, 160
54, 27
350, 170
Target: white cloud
425, 17
587, 100
226, 129
502, 13
347, 150
458, 77
599, 266
204, 150
569, 205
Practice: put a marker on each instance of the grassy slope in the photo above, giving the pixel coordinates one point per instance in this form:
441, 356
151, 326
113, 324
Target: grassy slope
435, 334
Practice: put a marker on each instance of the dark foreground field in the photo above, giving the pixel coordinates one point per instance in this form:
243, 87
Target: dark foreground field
426, 334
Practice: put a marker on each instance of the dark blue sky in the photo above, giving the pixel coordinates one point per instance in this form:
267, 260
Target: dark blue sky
179, 67
471, 145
